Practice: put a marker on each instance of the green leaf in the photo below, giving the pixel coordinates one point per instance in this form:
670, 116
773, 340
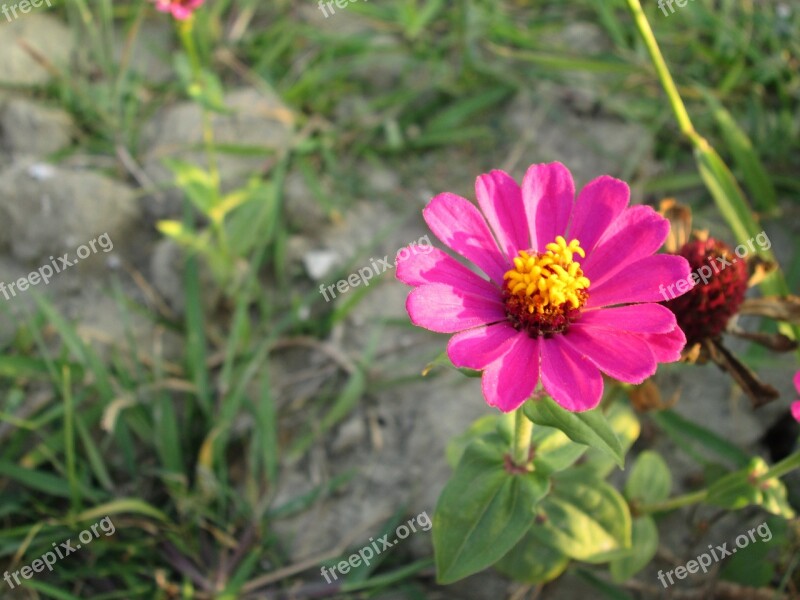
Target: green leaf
751, 565
626, 426
733, 491
483, 510
726, 192
198, 184
774, 499
590, 427
204, 87
459, 114
685, 433
51, 591
553, 451
532, 562
502, 424
735, 209
444, 361
122, 506
608, 590
755, 176
35, 480
584, 518
644, 536
650, 480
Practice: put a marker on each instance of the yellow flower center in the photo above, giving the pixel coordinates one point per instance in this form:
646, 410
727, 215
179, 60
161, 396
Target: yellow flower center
545, 291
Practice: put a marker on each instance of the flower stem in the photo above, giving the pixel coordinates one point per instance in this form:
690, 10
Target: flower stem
523, 430
649, 38
186, 33
672, 503
790, 463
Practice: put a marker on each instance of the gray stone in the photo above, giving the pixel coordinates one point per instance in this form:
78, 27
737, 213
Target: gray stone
28, 128
588, 147
151, 54
50, 211
303, 212
319, 263
44, 34
166, 275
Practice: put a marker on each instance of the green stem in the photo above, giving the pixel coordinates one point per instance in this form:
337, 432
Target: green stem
186, 31
672, 503
718, 179
523, 430
649, 38
790, 463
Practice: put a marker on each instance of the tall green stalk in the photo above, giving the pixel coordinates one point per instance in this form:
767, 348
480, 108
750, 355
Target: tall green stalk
718, 178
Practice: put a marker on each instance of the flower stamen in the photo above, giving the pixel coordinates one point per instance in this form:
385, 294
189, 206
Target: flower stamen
545, 291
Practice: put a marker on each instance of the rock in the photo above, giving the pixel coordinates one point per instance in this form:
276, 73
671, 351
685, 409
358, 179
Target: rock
583, 91
46, 210
46, 35
303, 212
319, 263
588, 146
29, 128
150, 56
258, 120
360, 230
350, 434
166, 275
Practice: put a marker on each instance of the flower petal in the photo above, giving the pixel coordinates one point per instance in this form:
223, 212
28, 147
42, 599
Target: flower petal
500, 199
639, 318
796, 410
797, 382
476, 348
510, 380
666, 347
448, 309
621, 355
642, 281
599, 204
572, 381
435, 266
462, 228
548, 193
636, 234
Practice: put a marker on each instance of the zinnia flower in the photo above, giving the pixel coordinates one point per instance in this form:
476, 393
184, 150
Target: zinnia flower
572, 288
180, 9
796, 403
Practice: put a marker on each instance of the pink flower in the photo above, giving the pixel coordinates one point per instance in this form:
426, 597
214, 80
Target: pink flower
796, 403
180, 9
572, 288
